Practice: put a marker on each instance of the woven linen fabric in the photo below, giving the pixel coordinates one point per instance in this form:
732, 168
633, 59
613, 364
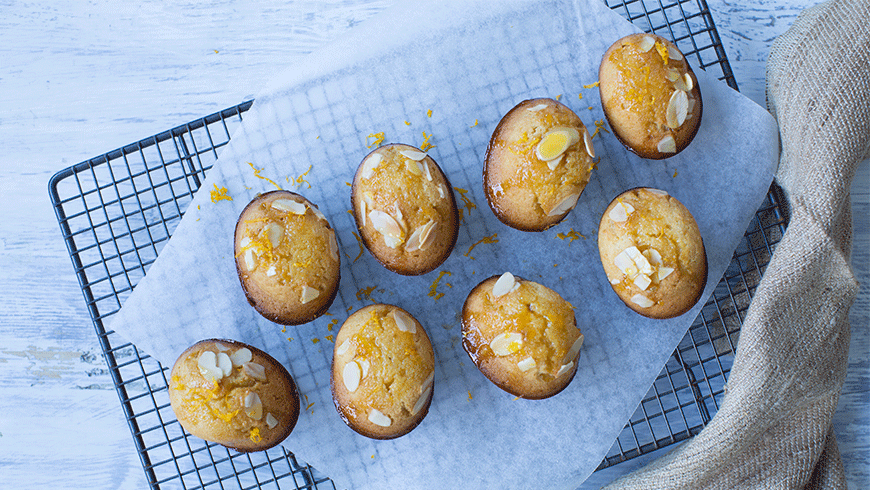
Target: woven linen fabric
773, 429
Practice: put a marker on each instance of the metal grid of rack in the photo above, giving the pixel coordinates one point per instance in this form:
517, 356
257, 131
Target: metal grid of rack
117, 210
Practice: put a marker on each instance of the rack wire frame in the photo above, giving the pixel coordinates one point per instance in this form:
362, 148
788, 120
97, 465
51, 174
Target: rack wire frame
117, 210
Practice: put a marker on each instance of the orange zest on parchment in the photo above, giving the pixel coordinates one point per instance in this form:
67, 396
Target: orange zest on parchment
433, 288
487, 239
267, 179
220, 194
378, 137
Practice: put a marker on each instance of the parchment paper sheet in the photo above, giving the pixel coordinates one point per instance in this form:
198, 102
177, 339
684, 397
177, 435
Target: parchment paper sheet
469, 62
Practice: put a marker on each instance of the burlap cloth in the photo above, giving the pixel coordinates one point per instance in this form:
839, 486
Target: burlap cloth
773, 429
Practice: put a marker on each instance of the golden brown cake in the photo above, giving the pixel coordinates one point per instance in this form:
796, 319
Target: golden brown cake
521, 335
383, 370
233, 394
650, 95
537, 163
652, 253
405, 210
287, 258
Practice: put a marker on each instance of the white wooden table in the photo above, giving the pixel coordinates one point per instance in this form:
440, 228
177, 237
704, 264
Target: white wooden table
78, 79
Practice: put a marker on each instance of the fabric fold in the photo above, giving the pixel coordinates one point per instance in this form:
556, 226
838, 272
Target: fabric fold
773, 429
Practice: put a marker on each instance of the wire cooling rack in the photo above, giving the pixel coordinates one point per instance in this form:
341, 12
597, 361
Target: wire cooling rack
116, 212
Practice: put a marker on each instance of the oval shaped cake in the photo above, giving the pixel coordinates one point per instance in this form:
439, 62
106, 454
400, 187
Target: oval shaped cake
650, 95
521, 335
404, 208
383, 370
286, 258
653, 253
537, 164
233, 394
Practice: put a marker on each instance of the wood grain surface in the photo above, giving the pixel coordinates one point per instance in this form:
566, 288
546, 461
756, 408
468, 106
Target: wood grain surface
78, 79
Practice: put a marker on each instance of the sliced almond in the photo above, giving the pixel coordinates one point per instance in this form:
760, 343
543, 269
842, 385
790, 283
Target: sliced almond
565, 205
413, 167
343, 347
587, 140
370, 164
426, 170
554, 143
419, 239
552, 164
646, 43
565, 368
208, 367
674, 53
364, 364
241, 356
441, 191
641, 301
428, 381
421, 401
318, 213
387, 226
274, 233
620, 212
665, 272
224, 363
615, 281
250, 260
288, 206
678, 107
527, 364
363, 213
378, 418
571, 355
244, 242
642, 281
503, 285
333, 245
537, 107
271, 421
667, 144
404, 321
308, 294
653, 255
351, 375
673, 74
657, 192
630, 261
413, 155
507, 343
253, 406
691, 107
254, 370
271, 271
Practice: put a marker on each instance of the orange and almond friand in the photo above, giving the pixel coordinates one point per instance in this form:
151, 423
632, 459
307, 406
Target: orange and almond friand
522, 336
287, 258
404, 209
653, 253
383, 369
650, 95
233, 394
537, 163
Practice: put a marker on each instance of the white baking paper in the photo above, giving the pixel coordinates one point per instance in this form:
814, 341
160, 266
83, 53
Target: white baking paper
469, 63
